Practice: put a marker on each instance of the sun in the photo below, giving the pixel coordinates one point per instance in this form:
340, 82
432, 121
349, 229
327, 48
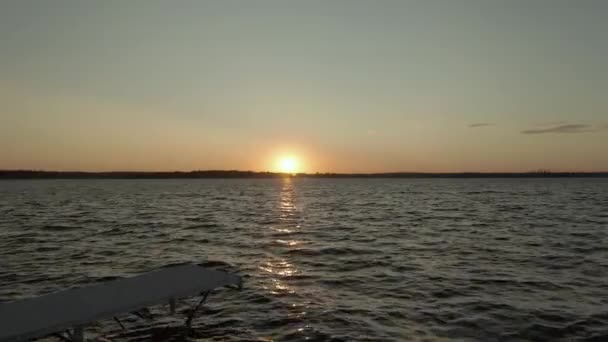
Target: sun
288, 164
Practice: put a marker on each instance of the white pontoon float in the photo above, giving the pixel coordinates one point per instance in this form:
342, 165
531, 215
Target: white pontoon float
69, 311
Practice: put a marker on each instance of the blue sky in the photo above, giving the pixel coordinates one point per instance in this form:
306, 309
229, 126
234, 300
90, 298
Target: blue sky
347, 86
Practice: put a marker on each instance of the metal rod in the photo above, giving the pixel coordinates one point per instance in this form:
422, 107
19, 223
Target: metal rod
143, 314
119, 323
61, 337
195, 309
137, 313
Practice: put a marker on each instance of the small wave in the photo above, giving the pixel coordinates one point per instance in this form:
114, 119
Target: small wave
42, 249
202, 226
112, 232
358, 265
258, 298
59, 228
541, 285
280, 322
336, 251
446, 293
484, 192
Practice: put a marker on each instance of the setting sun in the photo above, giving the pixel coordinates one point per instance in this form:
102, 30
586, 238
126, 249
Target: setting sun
288, 164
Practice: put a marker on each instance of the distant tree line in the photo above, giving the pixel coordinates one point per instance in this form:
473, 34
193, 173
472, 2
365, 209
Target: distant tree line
33, 174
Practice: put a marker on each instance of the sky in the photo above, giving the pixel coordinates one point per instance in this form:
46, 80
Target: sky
339, 85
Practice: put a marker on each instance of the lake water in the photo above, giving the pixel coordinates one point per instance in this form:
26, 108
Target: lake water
328, 259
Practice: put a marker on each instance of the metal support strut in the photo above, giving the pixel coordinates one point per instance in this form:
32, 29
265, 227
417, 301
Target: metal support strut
195, 309
119, 323
76, 335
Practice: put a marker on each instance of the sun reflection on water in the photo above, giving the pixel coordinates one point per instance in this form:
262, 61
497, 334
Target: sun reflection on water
278, 267
284, 230
288, 242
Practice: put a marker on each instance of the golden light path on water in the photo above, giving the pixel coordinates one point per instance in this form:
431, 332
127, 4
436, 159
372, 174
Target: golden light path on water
279, 268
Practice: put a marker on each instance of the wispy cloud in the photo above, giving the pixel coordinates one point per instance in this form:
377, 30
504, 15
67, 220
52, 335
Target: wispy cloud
481, 124
569, 128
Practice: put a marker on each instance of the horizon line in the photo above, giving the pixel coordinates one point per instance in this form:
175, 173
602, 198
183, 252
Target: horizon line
41, 174
279, 172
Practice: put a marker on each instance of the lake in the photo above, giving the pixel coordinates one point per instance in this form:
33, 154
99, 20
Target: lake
328, 259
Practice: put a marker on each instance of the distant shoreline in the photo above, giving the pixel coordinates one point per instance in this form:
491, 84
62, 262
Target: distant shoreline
29, 174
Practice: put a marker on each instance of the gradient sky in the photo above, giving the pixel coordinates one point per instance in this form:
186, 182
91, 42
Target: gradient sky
347, 86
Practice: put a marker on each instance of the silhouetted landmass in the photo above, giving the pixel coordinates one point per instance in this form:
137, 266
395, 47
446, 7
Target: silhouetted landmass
30, 174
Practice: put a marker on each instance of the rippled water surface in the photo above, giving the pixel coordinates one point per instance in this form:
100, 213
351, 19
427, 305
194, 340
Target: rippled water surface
326, 259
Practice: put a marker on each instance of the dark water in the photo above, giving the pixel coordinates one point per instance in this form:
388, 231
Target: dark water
329, 260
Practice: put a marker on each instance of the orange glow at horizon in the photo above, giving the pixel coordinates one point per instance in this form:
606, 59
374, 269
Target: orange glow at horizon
288, 164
